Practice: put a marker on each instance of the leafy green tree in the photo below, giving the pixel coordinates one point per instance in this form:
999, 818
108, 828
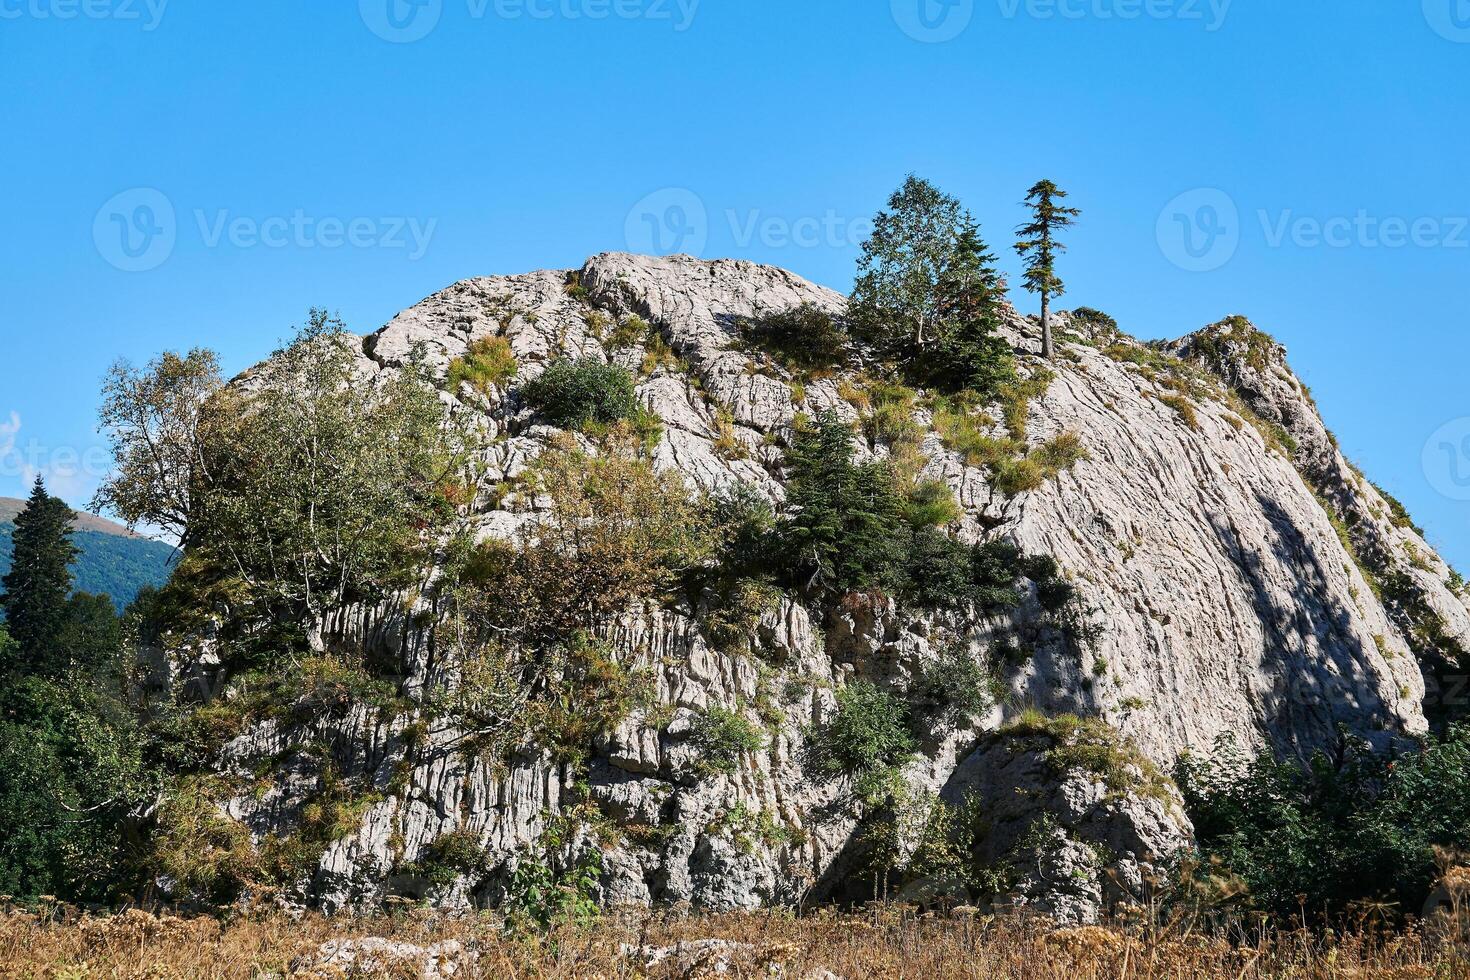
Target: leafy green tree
928, 292
91, 633
324, 487
160, 422
896, 302
39, 581
869, 732
1349, 827
70, 773
1039, 246
304, 487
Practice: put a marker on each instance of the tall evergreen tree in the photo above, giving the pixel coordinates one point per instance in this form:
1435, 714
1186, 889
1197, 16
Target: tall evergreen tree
39, 582
971, 353
1039, 247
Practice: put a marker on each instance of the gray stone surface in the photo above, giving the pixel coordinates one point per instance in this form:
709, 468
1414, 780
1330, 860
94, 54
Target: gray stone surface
1225, 601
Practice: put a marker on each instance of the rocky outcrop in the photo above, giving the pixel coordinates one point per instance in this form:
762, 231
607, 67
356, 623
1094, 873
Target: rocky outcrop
1424, 599
1215, 596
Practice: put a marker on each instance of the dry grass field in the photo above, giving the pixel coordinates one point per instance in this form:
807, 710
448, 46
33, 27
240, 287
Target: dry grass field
68, 945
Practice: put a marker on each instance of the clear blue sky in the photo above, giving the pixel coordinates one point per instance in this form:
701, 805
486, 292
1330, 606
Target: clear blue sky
521, 134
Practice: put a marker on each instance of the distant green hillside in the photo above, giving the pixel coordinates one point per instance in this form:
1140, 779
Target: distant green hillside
110, 561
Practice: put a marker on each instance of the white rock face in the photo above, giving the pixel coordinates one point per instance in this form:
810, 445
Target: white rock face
1223, 599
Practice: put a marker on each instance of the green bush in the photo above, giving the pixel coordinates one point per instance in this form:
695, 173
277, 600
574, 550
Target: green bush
542, 897
70, 771
723, 737
1053, 591
459, 852
869, 733
583, 394
936, 570
803, 338
744, 526
1355, 828
1103, 327
960, 681
994, 568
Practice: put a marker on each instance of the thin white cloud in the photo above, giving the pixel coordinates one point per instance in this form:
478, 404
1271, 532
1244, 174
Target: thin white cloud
8, 432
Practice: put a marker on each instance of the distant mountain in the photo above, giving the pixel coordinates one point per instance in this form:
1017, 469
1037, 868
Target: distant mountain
112, 560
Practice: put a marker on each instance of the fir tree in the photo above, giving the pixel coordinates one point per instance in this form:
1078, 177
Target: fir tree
1039, 247
39, 582
843, 531
970, 352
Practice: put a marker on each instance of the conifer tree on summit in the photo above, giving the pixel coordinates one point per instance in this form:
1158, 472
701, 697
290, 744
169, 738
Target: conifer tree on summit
1039, 246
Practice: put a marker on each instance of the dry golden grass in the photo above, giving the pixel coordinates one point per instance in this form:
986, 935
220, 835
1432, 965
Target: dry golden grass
884, 943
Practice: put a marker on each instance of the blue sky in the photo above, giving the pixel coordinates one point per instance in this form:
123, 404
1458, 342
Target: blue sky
262, 158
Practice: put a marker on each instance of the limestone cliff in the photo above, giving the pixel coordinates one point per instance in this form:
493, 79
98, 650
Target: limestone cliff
1235, 575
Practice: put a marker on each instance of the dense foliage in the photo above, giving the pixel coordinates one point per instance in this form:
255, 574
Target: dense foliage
70, 761
618, 533
850, 527
70, 772
928, 294
843, 530
578, 394
803, 338
1352, 829
870, 732
307, 488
